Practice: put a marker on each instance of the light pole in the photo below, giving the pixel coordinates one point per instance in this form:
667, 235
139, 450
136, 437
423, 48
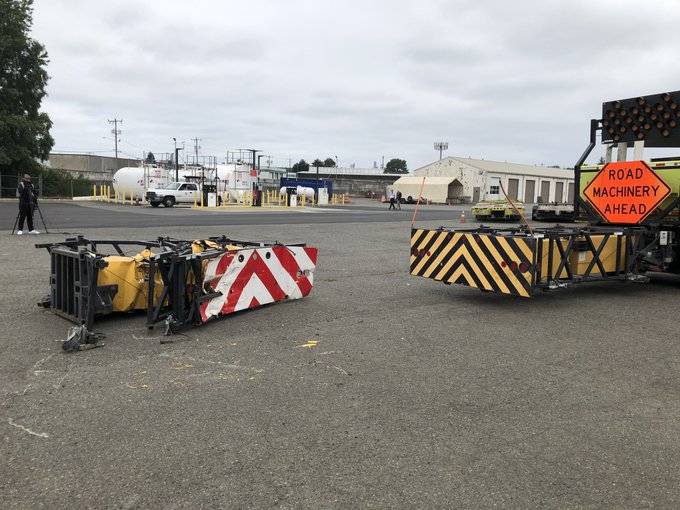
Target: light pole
255, 173
177, 149
441, 146
316, 191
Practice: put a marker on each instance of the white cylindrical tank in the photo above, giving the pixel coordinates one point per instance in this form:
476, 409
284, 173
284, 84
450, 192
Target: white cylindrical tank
307, 192
137, 180
299, 191
130, 180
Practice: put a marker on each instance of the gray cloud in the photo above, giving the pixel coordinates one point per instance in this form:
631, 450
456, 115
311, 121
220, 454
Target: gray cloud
304, 78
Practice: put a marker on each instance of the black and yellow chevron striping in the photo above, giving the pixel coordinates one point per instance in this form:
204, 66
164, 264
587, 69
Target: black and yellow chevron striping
486, 261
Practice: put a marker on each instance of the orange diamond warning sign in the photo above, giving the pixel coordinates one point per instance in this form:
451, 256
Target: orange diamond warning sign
626, 191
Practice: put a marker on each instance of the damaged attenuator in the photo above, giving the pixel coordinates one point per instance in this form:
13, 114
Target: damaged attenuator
178, 283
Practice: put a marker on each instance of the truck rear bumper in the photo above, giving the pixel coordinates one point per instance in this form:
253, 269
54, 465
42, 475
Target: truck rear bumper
517, 262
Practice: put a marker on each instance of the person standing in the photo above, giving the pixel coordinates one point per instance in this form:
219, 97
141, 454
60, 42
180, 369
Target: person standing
391, 195
26, 193
399, 200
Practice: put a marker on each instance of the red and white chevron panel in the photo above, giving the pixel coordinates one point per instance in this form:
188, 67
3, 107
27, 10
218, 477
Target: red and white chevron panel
254, 277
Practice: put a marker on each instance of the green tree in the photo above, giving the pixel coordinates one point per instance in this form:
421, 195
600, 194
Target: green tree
150, 158
329, 162
301, 166
317, 162
396, 166
24, 129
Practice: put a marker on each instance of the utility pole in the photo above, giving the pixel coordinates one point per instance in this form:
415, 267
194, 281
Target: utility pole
196, 147
115, 132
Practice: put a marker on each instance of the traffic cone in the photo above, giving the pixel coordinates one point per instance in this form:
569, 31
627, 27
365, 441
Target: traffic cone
462, 216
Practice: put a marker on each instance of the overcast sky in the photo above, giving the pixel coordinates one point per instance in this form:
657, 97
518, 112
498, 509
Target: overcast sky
505, 80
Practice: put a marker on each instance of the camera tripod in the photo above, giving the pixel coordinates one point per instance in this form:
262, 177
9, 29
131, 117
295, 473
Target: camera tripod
36, 207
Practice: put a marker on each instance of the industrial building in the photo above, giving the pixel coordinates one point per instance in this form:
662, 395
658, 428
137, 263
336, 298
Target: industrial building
463, 180
93, 167
355, 181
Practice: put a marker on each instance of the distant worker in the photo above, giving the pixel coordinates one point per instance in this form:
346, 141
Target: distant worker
392, 199
27, 200
399, 200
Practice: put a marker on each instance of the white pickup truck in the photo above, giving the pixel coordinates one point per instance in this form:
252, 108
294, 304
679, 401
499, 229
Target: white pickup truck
173, 193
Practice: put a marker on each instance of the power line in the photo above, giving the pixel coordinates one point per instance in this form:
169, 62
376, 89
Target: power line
115, 132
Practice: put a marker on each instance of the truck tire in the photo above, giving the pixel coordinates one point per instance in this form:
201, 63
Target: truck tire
155, 204
169, 201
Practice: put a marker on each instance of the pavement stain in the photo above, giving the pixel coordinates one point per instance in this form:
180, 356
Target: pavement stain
140, 387
26, 429
181, 366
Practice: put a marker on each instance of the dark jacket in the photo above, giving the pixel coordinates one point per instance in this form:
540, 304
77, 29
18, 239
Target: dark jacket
26, 193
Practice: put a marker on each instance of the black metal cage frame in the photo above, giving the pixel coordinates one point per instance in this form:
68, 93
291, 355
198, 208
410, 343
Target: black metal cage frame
76, 262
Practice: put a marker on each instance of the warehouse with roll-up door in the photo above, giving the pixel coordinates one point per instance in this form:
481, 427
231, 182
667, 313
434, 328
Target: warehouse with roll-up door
454, 180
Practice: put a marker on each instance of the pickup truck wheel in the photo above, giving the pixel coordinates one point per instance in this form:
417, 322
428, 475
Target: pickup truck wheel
169, 201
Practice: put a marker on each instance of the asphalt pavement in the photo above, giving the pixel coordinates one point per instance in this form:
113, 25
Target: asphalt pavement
64, 215
416, 394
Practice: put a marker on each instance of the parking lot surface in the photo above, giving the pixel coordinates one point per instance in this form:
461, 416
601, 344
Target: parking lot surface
415, 394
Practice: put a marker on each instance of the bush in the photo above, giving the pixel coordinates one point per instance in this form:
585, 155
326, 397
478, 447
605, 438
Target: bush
59, 183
